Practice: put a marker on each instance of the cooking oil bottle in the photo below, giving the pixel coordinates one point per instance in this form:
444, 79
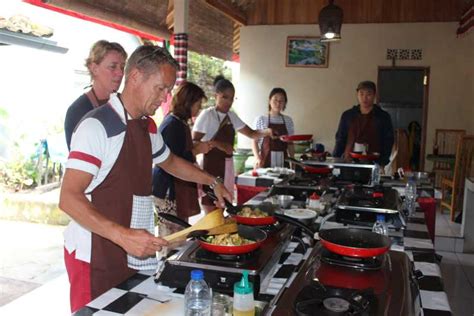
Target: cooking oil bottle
244, 304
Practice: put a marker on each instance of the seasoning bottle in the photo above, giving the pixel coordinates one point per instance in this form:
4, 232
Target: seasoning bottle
314, 202
244, 304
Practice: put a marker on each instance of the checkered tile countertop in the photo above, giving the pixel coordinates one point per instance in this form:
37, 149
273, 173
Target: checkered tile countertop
260, 180
132, 297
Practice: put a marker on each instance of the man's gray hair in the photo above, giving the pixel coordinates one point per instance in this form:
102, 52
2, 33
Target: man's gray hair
148, 59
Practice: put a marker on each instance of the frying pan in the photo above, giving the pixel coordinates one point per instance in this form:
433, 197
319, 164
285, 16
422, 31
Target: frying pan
262, 221
353, 242
296, 138
253, 221
367, 157
248, 232
317, 170
309, 169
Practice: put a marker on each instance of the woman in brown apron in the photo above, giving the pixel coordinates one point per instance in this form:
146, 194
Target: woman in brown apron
218, 125
173, 195
271, 151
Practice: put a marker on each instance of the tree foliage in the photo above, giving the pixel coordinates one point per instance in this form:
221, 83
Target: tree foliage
202, 70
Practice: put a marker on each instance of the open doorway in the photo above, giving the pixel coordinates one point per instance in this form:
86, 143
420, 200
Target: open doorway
403, 92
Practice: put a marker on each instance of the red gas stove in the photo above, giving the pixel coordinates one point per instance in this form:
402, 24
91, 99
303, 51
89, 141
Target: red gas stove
329, 284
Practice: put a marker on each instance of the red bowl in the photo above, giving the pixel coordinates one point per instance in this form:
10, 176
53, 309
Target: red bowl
369, 157
293, 138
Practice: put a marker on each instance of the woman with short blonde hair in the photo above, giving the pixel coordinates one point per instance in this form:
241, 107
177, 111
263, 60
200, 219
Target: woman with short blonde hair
105, 64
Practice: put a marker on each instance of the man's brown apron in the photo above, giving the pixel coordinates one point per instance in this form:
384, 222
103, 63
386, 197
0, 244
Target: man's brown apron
130, 175
363, 130
186, 193
214, 160
269, 144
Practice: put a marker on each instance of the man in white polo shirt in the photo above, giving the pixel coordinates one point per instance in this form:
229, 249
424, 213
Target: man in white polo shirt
107, 185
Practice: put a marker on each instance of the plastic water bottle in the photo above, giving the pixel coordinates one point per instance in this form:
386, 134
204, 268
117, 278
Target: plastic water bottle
410, 196
380, 227
197, 297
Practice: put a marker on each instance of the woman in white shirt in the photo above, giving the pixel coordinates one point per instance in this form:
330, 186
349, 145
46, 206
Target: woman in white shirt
271, 151
218, 125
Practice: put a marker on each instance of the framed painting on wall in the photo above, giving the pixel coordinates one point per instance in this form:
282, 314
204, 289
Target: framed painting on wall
306, 51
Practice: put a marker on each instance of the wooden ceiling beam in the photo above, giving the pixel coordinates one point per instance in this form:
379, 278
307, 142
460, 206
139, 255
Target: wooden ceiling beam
110, 16
170, 16
229, 10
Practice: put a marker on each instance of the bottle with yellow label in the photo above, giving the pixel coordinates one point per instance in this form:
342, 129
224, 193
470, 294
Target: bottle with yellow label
244, 304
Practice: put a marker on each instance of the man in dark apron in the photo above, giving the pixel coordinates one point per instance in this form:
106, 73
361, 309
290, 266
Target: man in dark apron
112, 151
365, 123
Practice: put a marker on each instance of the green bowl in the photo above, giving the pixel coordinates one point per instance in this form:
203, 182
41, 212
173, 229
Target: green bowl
239, 163
301, 147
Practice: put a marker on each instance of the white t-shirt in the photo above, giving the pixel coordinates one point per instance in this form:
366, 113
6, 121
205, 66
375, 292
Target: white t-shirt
95, 147
209, 120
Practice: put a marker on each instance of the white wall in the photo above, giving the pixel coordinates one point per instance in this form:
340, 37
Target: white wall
318, 96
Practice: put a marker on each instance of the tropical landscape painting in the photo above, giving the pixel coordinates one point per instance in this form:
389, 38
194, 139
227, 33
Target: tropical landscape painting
306, 52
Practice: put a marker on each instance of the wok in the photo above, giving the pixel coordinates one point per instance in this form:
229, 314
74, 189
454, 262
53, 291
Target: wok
269, 208
353, 242
248, 232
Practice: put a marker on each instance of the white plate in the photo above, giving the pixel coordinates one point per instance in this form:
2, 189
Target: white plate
274, 171
300, 213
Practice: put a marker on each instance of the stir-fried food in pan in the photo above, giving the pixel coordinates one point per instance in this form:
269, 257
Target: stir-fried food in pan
228, 240
248, 212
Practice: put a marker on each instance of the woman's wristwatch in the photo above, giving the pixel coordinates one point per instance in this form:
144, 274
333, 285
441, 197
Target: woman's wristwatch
217, 180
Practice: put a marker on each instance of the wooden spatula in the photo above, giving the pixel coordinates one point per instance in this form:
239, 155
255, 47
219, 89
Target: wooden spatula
211, 220
229, 227
226, 228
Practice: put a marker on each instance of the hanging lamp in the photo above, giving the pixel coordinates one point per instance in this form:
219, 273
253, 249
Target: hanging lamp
330, 22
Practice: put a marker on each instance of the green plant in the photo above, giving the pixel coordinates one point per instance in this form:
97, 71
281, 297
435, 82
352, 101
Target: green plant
23, 171
202, 70
19, 173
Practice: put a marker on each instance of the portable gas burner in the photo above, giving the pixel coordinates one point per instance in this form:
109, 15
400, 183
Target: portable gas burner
222, 271
361, 205
301, 187
370, 263
347, 286
315, 299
